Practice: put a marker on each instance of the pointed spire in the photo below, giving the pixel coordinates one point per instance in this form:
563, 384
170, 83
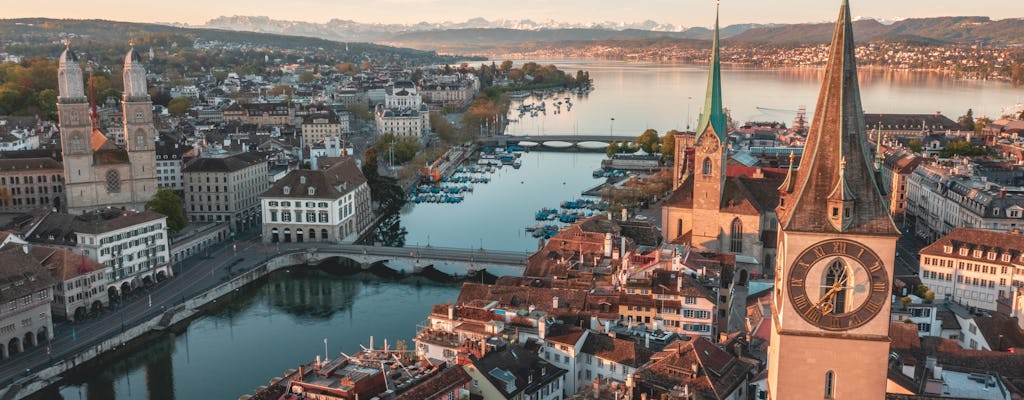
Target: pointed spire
836, 161
713, 116
787, 185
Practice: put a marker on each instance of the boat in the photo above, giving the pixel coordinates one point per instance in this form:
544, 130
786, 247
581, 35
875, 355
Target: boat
517, 163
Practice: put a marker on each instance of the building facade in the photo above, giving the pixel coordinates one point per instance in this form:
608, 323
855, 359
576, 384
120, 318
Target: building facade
974, 267
25, 319
403, 112
97, 172
328, 205
940, 199
837, 245
31, 183
317, 128
226, 189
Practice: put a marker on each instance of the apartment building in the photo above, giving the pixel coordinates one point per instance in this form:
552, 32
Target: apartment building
974, 267
327, 205
941, 199
226, 189
31, 183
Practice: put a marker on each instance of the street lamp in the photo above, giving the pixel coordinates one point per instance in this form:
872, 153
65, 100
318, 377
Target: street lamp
611, 128
689, 111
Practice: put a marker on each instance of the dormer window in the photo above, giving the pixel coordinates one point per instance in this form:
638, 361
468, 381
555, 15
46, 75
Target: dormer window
963, 252
312, 191
287, 190
1006, 257
947, 249
991, 255
976, 254
302, 180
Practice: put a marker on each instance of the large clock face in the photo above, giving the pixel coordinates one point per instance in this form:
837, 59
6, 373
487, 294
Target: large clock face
709, 144
838, 285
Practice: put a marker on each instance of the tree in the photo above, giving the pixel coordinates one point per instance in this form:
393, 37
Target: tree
613, 148
168, 203
179, 106
914, 145
649, 141
384, 190
961, 148
966, 121
668, 145
361, 111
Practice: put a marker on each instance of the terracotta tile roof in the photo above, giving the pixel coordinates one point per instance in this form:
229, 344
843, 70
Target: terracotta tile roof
334, 182
513, 298
621, 351
64, 264
441, 383
717, 375
903, 336
21, 275
567, 335
1000, 331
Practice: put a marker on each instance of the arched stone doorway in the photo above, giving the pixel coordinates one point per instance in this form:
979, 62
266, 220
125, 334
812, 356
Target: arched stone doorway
81, 313
147, 280
160, 276
30, 340
14, 347
97, 306
287, 235
274, 236
743, 278
42, 334
298, 235
113, 294
126, 288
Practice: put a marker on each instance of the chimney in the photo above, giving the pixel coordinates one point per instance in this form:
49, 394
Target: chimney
624, 214
608, 327
929, 363
622, 247
542, 328
554, 302
597, 388
679, 283
594, 323
695, 368
451, 312
608, 244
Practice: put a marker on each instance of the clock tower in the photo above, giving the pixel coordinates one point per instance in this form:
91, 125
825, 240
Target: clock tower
709, 158
836, 248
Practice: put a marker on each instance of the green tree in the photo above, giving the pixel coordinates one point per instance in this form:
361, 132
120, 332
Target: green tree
179, 106
914, 145
961, 148
168, 203
384, 190
966, 121
613, 148
361, 111
397, 150
46, 101
649, 141
668, 145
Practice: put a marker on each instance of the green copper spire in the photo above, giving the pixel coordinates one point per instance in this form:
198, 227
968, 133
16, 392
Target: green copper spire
712, 116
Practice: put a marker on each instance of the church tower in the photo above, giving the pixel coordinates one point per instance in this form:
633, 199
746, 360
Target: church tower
836, 248
139, 131
710, 156
75, 128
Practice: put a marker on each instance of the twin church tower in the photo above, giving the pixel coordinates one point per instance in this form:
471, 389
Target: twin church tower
97, 172
836, 241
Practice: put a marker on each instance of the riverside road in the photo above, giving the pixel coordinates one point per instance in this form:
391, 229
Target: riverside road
201, 273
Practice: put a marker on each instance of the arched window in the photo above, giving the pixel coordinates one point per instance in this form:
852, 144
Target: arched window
706, 169
736, 236
836, 281
830, 385
113, 181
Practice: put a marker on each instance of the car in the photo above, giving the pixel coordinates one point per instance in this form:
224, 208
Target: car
640, 217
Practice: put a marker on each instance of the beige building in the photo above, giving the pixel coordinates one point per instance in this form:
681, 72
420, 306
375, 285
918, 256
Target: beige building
403, 112
896, 166
25, 319
974, 267
327, 205
31, 183
836, 252
260, 114
98, 173
81, 283
319, 127
226, 189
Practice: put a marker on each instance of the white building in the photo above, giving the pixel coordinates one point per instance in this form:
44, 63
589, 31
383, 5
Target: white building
18, 139
327, 205
403, 112
940, 199
974, 267
133, 245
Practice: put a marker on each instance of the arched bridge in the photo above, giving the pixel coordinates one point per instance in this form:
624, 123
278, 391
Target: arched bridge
316, 252
557, 141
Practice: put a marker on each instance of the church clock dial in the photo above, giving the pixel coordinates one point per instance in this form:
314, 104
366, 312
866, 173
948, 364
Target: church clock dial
838, 285
709, 144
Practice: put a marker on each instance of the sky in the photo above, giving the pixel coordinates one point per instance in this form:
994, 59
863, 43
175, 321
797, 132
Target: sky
686, 13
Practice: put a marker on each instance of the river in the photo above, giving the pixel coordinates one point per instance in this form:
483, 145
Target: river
275, 326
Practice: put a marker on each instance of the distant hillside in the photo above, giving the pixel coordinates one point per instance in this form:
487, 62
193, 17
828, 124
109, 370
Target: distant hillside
42, 35
940, 30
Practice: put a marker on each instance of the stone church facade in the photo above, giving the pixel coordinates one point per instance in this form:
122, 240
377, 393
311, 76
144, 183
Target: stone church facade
97, 172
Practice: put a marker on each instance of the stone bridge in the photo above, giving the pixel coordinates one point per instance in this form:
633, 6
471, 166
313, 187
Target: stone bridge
314, 253
590, 142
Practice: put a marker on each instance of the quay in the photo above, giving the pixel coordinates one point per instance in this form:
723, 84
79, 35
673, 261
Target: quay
199, 283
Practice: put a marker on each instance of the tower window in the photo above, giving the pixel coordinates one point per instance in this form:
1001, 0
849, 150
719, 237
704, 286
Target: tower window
113, 181
830, 385
736, 236
707, 166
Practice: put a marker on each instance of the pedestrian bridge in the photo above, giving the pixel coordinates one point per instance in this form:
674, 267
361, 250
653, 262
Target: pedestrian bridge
585, 142
315, 253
